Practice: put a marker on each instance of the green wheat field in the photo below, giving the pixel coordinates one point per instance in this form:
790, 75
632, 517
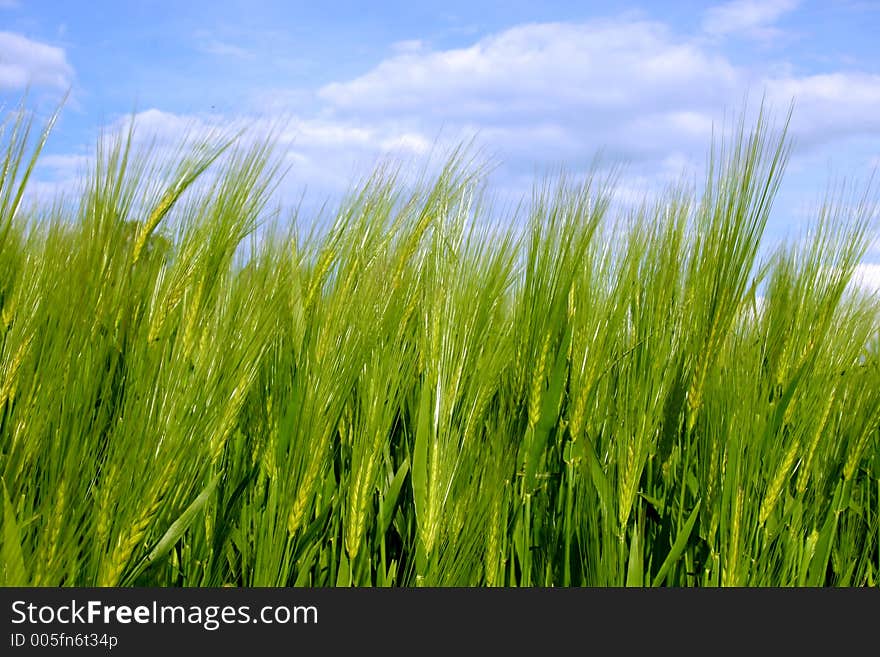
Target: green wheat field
195, 392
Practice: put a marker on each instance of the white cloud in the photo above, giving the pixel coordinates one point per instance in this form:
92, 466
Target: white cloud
829, 106
325, 155
165, 124
539, 95
212, 46
539, 69
408, 46
65, 163
322, 133
631, 88
25, 62
867, 277
226, 50
57, 175
751, 18
408, 142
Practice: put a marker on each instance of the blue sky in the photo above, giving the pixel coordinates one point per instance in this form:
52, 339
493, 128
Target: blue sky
540, 84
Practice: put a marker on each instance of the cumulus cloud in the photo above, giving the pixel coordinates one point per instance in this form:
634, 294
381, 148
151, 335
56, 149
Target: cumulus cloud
223, 49
209, 44
169, 127
867, 277
829, 105
56, 176
26, 62
326, 156
408, 46
631, 88
66, 163
538, 69
543, 94
750, 18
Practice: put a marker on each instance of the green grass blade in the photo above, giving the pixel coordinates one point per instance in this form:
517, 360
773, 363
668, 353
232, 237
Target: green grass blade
177, 529
678, 546
389, 500
13, 570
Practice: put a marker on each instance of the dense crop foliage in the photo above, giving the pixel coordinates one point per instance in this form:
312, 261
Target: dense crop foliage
417, 395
